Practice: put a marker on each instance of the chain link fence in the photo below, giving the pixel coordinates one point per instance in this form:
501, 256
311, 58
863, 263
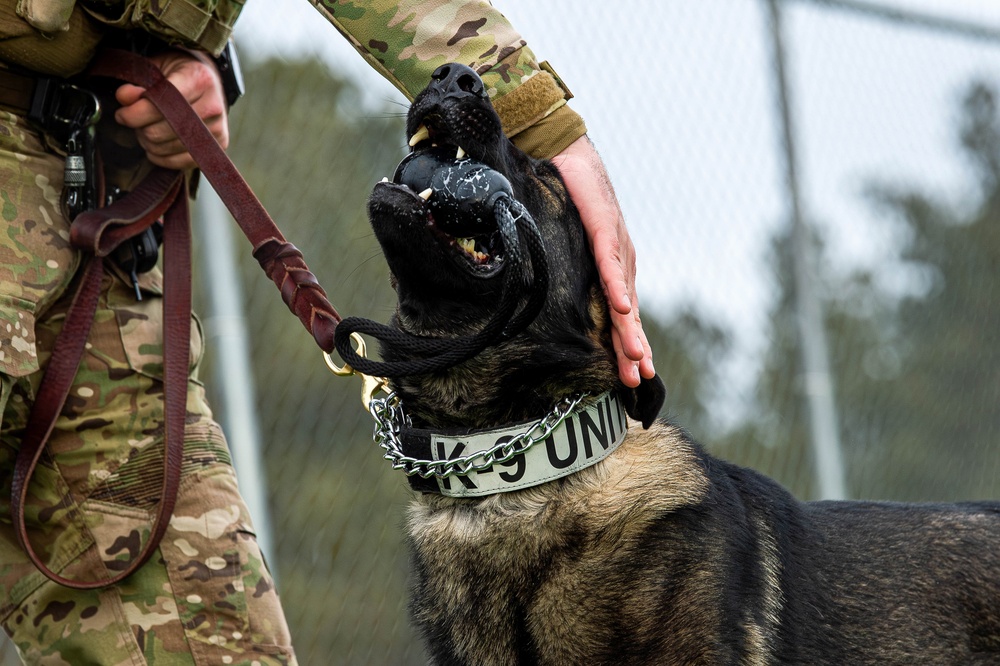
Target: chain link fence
895, 147
682, 100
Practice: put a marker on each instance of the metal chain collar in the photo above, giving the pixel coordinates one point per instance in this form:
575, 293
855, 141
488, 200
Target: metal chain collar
390, 420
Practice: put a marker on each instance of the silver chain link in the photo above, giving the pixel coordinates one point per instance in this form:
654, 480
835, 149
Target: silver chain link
390, 420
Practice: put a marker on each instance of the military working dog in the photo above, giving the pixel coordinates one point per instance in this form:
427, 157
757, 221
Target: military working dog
600, 545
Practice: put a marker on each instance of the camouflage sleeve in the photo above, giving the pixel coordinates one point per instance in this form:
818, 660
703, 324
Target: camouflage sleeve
406, 40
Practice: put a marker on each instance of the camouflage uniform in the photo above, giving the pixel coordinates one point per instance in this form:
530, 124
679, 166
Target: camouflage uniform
406, 41
206, 596
207, 593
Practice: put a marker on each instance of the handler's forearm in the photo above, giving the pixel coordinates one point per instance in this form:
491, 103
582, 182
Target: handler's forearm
406, 41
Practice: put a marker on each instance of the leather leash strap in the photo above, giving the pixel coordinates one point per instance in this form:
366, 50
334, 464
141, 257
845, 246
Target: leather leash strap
281, 260
98, 233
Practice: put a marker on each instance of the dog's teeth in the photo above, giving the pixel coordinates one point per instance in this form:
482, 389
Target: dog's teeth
426, 194
460, 154
469, 245
418, 136
385, 179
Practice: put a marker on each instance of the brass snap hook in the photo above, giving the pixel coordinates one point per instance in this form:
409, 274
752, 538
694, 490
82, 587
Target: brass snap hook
370, 386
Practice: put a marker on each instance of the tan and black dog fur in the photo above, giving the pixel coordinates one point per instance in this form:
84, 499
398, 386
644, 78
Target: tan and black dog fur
660, 554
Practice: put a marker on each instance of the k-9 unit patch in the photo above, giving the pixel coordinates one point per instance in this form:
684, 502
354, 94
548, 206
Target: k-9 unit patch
583, 439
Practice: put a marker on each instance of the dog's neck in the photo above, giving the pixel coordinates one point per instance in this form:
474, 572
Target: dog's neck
518, 379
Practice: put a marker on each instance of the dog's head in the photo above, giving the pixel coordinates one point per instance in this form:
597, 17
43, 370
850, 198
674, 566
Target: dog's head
449, 261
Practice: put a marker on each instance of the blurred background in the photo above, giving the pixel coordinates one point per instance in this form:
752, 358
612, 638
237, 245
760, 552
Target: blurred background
813, 187
790, 171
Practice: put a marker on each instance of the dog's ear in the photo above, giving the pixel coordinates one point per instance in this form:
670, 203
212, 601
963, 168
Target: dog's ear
644, 403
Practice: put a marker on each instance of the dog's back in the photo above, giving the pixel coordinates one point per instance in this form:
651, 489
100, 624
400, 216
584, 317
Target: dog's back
874, 582
910, 583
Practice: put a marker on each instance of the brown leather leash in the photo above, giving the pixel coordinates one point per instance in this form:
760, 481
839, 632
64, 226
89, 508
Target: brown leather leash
98, 232
281, 260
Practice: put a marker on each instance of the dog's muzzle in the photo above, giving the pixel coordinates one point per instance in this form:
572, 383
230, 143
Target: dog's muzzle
467, 197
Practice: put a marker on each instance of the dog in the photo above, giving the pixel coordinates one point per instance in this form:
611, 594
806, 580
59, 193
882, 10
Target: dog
602, 544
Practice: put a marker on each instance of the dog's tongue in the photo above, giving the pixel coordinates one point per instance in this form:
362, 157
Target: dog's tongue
463, 191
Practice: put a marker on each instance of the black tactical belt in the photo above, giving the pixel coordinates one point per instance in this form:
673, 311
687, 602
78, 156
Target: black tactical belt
52, 105
17, 91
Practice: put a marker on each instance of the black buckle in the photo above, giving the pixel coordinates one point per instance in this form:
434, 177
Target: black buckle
228, 64
59, 108
140, 253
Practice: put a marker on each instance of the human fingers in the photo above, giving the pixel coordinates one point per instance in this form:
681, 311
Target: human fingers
164, 148
198, 81
628, 370
590, 188
612, 267
633, 346
646, 369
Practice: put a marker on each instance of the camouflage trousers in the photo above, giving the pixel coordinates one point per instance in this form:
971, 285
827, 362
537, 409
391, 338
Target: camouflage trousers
206, 596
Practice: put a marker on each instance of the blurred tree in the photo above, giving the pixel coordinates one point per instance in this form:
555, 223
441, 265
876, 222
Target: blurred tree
949, 384
775, 437
687, 349
917, 376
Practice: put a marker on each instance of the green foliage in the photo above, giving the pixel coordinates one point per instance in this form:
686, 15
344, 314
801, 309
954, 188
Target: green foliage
917, 377
687, 349
949, 383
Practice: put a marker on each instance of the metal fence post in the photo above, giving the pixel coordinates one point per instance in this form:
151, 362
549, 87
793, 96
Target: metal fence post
818, 383
225, 328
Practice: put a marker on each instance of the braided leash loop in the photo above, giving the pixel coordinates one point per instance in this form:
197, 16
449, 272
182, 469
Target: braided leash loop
390, 420
300, 290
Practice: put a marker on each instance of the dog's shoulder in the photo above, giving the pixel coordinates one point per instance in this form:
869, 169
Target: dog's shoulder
661, 468
655, 470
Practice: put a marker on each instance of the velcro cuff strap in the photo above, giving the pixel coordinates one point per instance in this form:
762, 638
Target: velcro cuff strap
552, 134
529, 102
546, 67
215, 36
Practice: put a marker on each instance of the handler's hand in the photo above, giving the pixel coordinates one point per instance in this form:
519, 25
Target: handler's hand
196, 77
590, 187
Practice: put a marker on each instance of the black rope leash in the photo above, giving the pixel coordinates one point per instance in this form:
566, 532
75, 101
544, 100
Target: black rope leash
518, 233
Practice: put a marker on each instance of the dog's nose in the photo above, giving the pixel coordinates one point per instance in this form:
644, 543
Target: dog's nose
455, 79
